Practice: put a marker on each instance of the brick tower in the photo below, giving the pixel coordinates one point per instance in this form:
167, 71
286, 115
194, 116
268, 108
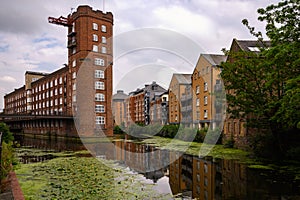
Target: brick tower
90, 56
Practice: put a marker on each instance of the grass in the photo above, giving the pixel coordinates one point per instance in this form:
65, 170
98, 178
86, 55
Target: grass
82, 178
199, 149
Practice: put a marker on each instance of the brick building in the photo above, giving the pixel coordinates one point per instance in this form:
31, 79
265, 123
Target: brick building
176, 89
139, 102
119, 108
82, 89
206, 81
235, 128
159, 106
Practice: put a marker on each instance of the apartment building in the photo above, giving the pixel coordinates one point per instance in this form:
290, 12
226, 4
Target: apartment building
235, 128
159, 108
82, 89
206, 82
119, 108
176, 89
186, 107
139, 102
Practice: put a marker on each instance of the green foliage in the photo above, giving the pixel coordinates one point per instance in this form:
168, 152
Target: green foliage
118, 130
8, 160
229, 143
265, 85
7, 135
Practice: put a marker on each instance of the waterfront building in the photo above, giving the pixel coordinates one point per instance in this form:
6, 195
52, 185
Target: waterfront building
139, 102
176, 89
236, 128
159, 108
206, 82
119, 108
82, 88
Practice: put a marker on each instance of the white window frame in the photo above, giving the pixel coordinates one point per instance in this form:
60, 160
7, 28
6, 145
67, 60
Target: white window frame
197, 102
99, 85
205, 100
205, 86
100, 120
103, 50
95, 48
103, 28
205, 114
103, 40
99, 74
99, 108
99, 97
99, 61
73, 75
197, 89
74, 63
95, 37
95, 26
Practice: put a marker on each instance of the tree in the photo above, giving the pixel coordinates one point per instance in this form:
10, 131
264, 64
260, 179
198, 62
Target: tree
266, 84
7, 136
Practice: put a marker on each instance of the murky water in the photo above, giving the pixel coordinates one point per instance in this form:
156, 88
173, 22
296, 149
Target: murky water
183, 175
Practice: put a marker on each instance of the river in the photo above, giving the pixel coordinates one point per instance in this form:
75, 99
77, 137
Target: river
181, 175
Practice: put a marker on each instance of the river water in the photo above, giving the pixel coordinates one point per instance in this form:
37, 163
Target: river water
181, 175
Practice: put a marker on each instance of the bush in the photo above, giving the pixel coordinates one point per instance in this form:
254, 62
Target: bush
118, 130
229, 143
7, 135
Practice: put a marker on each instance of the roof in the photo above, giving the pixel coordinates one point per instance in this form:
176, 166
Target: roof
252, 45
215, 59
120, 95
36, 73
183, 78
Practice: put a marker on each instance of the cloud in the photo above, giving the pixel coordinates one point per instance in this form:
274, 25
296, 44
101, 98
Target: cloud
8, 79
29, 42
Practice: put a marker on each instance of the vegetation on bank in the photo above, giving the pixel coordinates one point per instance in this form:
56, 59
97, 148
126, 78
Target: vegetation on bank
8, 160
74, 177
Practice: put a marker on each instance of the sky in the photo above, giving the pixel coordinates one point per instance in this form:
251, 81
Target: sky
152, 39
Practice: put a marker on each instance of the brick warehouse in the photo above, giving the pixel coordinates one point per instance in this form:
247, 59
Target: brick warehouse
80, 92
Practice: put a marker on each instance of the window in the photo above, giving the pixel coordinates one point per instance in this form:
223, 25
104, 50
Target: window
218, 82
74, 98
99, 61
103, 39
60, 101
95, 26
95, 48
95, 38
103, 50
205, 100
99, 109
205, 168
197, 102
103, 28
205, 113
207, 70
74, 50
60, 90
74, 63
99, 85
99, 97
198, 177
74, 75
205, 86
73, 27
197, 89
60, 80
99, 74
100, 120
74, 86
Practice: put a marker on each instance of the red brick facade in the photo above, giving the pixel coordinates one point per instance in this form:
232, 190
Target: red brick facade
82, 89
